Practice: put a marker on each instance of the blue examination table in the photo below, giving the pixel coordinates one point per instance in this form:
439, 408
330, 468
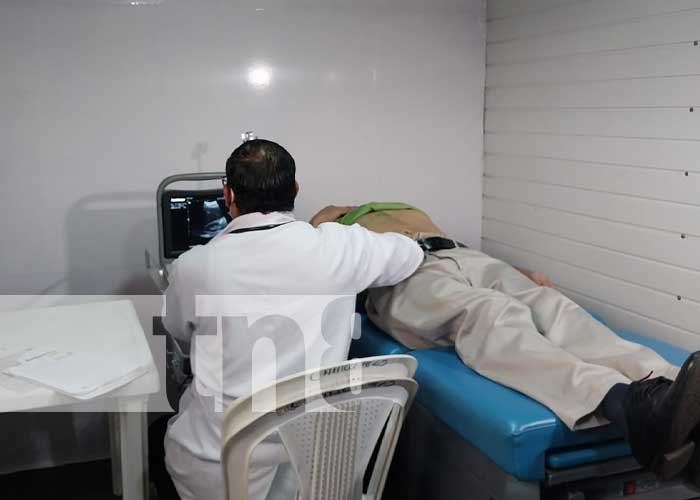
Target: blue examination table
468, 437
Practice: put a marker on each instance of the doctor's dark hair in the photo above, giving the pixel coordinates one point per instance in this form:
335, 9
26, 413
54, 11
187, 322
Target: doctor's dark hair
261, 175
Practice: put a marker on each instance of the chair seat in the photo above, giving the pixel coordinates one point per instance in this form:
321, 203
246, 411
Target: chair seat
517, 433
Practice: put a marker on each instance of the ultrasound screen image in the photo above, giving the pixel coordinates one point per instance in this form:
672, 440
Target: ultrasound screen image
192, 218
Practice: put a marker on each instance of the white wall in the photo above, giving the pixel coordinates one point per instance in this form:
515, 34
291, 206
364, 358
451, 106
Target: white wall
592, 154
100, 100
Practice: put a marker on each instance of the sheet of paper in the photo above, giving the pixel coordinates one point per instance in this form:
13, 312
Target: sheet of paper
8, 359
80, 375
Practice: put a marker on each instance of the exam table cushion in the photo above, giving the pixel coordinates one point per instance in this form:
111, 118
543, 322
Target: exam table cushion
520, 435
374, 342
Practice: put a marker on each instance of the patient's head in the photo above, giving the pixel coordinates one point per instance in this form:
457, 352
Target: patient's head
260, 176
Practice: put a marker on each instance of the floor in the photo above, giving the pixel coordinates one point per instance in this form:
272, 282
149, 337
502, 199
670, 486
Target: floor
86, 481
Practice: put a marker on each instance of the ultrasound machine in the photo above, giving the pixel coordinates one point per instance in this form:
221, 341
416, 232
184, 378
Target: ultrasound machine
186, 218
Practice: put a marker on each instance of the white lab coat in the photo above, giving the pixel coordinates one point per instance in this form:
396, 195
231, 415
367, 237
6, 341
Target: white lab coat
304, 281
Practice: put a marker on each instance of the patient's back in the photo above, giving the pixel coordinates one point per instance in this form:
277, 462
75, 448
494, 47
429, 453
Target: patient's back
405, 221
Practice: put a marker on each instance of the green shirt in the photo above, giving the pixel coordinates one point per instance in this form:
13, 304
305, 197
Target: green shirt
375, 206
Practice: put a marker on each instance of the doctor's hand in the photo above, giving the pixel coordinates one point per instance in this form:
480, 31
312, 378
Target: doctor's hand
331, 213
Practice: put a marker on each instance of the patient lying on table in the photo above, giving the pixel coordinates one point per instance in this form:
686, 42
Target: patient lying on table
512, 327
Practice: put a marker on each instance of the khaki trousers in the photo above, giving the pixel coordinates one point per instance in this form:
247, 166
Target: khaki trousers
530, 338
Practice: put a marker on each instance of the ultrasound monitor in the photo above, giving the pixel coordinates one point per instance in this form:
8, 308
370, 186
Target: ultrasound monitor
191, 218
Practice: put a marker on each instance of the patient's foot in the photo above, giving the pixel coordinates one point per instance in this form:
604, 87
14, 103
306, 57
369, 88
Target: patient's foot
661, 416
694, 465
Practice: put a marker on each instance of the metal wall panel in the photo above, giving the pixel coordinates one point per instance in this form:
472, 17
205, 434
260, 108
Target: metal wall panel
643, 32
592, 141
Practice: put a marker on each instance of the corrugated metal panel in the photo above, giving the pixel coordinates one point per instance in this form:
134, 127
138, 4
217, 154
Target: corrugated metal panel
580, 15
662, 246
643, 123
592, 140
645, 32
656, 184
672, 155
674, 59
507, 8
671, 91
654, 214
645, 272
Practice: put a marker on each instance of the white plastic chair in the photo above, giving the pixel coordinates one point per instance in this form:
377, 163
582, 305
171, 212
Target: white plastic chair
330, 421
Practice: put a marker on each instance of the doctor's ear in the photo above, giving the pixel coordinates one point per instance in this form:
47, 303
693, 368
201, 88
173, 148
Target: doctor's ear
296, 188
228, 196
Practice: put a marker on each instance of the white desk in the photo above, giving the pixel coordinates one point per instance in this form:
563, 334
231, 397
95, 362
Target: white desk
100, 327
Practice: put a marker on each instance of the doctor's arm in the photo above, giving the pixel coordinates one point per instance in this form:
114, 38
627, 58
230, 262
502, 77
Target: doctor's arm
381, 259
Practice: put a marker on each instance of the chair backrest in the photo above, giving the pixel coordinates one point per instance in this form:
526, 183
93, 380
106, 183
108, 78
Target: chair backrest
330, 421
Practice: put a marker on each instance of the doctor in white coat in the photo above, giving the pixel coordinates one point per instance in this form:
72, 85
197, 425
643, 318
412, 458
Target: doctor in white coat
299, 279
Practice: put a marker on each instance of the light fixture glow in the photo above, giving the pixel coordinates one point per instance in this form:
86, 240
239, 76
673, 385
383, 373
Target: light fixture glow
259, 76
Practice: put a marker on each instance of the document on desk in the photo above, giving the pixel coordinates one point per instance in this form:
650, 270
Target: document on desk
79, 375
8, 359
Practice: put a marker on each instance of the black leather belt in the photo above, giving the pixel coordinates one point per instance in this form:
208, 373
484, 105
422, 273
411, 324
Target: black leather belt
434, 243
